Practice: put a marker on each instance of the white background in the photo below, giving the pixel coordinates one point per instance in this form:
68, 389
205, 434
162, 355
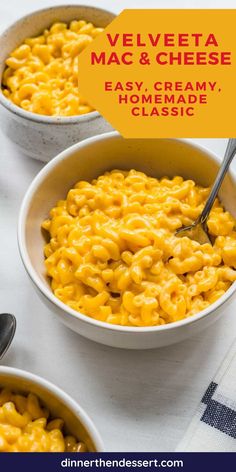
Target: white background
139, 400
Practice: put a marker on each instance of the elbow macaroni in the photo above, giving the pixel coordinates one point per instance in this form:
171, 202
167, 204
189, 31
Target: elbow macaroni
113, 254
25, 426
42, 74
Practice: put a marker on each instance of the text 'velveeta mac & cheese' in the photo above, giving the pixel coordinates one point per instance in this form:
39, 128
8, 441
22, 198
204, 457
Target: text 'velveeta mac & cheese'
42, 74
113, 254
25, 426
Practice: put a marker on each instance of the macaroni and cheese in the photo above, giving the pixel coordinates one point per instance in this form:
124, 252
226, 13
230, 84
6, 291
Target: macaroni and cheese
42, 74
25, 426
113, 254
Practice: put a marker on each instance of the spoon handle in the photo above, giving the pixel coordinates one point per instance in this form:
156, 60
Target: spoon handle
228, 157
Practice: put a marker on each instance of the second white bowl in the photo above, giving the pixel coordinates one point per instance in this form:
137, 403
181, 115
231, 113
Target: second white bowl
60, 405
38, 136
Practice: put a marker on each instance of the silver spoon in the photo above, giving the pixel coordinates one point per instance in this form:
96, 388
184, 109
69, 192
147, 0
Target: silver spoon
7, 331
198, 230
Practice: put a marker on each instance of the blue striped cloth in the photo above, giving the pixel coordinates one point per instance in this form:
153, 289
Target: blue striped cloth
213, 428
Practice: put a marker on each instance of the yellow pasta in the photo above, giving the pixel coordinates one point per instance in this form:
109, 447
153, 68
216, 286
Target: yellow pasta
25, 426
113, 254
41, 75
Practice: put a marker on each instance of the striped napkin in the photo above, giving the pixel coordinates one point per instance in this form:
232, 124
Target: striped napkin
213, 428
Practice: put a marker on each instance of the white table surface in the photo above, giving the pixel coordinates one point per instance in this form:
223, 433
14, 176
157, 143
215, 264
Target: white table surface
139, 400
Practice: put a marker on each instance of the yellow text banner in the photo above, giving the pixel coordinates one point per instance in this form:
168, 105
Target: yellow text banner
164, 73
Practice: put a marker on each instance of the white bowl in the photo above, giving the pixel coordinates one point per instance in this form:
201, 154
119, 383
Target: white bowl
38, 136
85, 161
60, 405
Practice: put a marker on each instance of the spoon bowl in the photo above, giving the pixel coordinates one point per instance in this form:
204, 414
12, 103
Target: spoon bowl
198, 230
7, 332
